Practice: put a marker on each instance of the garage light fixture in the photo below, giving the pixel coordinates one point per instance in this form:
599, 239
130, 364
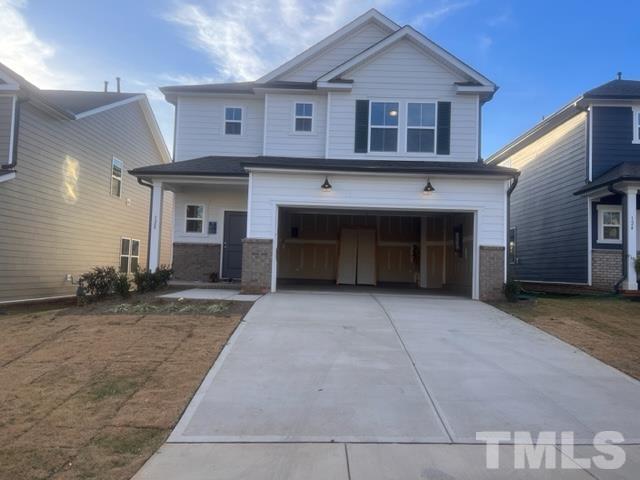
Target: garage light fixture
326, 186
428, 188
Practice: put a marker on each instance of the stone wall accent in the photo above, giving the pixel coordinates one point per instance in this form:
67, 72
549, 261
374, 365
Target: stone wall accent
256, 264
606, 268
196, 261
491, 272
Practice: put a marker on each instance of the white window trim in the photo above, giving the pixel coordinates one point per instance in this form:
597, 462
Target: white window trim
295, 117
129, 255
397, 127
114, 177
187, 218
636, 124
601, 210
434, 128
224, 121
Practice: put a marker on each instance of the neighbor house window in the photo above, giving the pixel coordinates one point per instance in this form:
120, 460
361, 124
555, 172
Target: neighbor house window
609, 224
512, 245
304, 117
421, 127
116, 177
636, 125
384, 127
232, 120
194, 219
129, 255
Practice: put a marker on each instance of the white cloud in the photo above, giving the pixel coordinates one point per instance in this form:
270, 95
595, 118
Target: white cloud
245, 40
444, 9
484, 42
22, 50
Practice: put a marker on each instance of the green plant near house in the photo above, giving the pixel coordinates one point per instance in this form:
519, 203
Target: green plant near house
147, 281
122, 285
637, 264
512, 290
100, 281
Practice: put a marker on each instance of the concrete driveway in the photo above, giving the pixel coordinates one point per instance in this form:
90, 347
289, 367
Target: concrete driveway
355, 369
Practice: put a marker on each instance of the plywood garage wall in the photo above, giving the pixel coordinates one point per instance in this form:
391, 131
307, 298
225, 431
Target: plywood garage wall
459, 268
313, 253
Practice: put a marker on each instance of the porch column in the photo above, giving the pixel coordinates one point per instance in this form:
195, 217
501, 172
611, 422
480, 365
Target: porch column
157, 195
631, 240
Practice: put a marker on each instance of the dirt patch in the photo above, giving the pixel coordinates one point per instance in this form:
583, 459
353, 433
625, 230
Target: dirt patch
606, 327
90, 392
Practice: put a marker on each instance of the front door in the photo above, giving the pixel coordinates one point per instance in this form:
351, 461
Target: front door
235, 229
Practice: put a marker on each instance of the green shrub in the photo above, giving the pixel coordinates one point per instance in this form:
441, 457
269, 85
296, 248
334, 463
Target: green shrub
512, 290
147, 281
637, 263
100, 281
122, 285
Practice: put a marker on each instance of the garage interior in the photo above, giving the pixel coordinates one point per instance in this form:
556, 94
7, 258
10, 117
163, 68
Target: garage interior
363, 249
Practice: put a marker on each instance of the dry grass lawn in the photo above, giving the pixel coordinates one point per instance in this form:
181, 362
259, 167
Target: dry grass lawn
607, 328
91, 395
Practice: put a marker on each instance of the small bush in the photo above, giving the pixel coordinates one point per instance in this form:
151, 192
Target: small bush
637, 263
147, 281
100, 281
512, 290
123, 285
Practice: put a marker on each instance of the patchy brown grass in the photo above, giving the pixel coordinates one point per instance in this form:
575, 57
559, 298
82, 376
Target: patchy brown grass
88, 394
606, 327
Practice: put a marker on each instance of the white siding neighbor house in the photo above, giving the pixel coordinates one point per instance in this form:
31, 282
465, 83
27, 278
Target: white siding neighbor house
67, 204
355, 163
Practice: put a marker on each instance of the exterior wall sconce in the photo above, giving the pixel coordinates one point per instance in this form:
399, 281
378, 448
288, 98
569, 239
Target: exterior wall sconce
326, 186
428, 188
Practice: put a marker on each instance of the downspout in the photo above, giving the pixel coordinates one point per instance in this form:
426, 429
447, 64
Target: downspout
16, 128
613, 190
513, 186
150, 186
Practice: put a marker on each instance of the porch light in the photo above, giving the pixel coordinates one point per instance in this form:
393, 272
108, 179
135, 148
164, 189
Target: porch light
326, 186
393, 113
428, 188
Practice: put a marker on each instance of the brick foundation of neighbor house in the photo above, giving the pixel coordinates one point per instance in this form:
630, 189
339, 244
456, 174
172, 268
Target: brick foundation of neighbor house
257, 255
606, 268
196, 261
491, 272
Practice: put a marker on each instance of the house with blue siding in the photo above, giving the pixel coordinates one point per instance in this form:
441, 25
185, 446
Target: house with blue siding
573, 218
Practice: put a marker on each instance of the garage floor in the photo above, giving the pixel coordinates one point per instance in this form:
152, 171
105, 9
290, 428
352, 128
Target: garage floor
322, 367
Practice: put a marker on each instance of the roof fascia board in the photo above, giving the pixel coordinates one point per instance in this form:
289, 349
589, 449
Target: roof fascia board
371, 15
335, 171
421, 40
200, 179
104, 108
156, 133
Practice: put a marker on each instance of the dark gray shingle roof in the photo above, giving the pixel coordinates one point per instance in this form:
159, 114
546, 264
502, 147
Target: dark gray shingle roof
78, 102
616, 89
235, 166
629, 171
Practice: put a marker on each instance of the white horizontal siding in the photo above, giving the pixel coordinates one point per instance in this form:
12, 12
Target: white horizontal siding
403, 73
282, 139
215, 200
486, 196
336, 54
200, 127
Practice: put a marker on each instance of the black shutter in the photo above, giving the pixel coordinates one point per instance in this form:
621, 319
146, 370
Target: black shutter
444, 128
362, 126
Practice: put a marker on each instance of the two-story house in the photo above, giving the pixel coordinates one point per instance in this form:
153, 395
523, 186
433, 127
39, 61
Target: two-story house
574, 215
357, 162
66, 204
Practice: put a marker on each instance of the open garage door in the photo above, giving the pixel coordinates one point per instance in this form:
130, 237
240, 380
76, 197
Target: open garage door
394, 249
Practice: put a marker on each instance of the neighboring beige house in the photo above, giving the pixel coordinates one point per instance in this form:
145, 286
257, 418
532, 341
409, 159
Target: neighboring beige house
67, 204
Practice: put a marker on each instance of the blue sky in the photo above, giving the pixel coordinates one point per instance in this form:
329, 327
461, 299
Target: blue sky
541, 53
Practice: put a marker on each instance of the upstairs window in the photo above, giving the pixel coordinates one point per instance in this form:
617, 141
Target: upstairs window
129, 255
636, 125
609, 224
233, 120
421, 127
304, 117
383, 127
116, 177
194, 219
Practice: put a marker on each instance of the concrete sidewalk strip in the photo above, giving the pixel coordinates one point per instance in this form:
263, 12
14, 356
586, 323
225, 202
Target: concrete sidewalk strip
246, 462
212, 294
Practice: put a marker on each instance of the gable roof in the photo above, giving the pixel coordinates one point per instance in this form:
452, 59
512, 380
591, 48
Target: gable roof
371, 15
626, 171
615, 90
76, 104
407, 32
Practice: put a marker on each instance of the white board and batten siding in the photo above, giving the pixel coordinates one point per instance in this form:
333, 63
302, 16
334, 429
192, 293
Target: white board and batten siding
200, 127
403, 74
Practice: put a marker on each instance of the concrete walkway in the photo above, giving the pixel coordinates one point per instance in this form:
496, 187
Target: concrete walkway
212, 294
332, 383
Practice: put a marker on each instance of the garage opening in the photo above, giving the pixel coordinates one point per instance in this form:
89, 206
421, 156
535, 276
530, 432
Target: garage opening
428, 251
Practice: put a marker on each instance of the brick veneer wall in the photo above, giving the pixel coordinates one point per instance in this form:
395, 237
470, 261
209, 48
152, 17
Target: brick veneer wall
491, 272
606, 268
195, 261
256, 264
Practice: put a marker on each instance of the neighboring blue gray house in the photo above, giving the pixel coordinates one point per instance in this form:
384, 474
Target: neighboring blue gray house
574, 215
